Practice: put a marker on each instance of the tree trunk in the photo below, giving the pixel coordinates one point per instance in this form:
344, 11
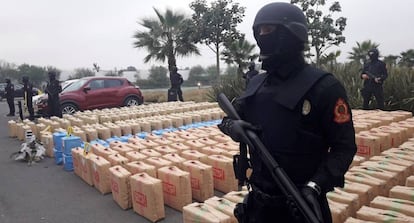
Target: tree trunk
218, 60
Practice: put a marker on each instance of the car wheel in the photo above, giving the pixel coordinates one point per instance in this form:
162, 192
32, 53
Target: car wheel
69, 108
131, 101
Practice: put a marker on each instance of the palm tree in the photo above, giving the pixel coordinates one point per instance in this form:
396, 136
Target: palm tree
360, 52
391, 60
166, 37
407, 58
239, 52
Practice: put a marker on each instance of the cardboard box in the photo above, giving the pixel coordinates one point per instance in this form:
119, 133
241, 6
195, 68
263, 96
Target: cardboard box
179, 146
356, 220
236, 196
194, 155
150, 153
147, 196
394, 204
350, 199
117, 159
367, 144
395, 160
175, 159
199, 212
102, 151
87, 173
339, 211
135, 156
364, 191
176, 186
391, 178
409, 181
402, 171
122, 149
76, 153
201, 176
378, 185
165, 149
120, 186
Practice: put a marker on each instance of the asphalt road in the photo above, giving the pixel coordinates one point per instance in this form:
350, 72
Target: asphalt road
45, 193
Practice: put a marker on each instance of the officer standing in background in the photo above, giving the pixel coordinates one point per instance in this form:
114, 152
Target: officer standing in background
251, 72
53, 89
9, 94
176, 81
28, 96
374, 74
301, 115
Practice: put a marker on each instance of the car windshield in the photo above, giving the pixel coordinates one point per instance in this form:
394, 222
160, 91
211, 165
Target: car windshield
75, 86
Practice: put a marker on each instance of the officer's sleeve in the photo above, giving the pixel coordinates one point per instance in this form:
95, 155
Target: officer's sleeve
384, 72
339, 132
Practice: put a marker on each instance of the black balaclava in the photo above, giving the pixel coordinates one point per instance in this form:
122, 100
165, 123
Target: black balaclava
280, 49
373, 54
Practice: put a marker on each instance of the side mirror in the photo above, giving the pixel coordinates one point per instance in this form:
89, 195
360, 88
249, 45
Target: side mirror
86, 89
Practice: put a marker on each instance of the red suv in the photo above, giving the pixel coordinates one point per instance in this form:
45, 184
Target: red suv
95, 92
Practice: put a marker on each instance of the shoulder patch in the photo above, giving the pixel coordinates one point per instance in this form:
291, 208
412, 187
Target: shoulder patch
341, 112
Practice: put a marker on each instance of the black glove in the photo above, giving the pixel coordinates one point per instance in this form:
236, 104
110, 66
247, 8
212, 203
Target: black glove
311, 197
236, 129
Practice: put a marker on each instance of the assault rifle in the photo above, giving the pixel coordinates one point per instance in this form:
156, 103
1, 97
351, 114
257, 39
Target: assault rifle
372, 77
283, 182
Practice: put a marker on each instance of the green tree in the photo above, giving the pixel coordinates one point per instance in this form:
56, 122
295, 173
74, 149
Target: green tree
407, 58
239, 52
8, 70
158, 77
82, 72
360, 52
324, 30
391, 60
329, 60
216, 24
166, 37
37, 75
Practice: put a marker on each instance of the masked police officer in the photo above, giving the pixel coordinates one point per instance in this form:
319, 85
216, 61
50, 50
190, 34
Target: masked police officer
176, 81
28, 96
251, 72
53, 89
303, 117
9, 94
374, 74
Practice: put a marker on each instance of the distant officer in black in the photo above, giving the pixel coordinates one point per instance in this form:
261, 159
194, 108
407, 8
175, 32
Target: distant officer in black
9, 94
374, 74
251, 72
176, 81
303, 117
28, 96
53, 89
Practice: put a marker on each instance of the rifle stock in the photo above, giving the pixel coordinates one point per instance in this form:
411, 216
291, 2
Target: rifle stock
283, 182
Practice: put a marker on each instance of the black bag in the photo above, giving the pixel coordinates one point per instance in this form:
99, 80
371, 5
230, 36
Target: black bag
172, 94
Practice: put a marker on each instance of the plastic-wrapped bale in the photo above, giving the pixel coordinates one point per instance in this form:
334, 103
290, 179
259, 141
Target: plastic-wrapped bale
379, 215
179, 147
402, 171
12, 128
47, 139
402, 192
367, 145
378, 185
397, 161
100, 171
199, 212
364, 191
395, 204
176, 186
147, 196
135, 156
101, 150
158, 162
135, 145
175, 159
339, 211
409, 181
135, 167
236, 196
194, 155
201, 175
120, 186
117, 159
163, 141
122, 149
150, 153
223, 173
76, 153
223, 205
165, 149
391, 178
356, 220
350, 199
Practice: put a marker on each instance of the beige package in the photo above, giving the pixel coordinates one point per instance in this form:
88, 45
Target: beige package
394, 204
12, 128
162, 141
135, 167
395, 160
379, 215
149, 143
356, 220
76, 153
402, 192
100, 170
176, 186
147, 196
179, 146
175, 159
339, 211
213, 150
364, 191
378, 185
117, 159
201, 175
223, 173
122, 149
409, 181
402, 171
194, 155
102, 151
367, 144
135, 156
150, 153
47, 140
207, 141
236, 196
199, 212
136, 146
350, 199
120, 186
399, 153
87, 174
223, 205
158, 162
194, 144
164, 149
391, 178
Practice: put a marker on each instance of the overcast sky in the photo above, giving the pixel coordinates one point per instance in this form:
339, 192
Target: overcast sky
71, 34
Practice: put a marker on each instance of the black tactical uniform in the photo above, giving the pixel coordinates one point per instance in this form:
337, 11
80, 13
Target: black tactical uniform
250, 73
9, 94
176, 81
53, 89
28, 96
304, 119
376, 72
